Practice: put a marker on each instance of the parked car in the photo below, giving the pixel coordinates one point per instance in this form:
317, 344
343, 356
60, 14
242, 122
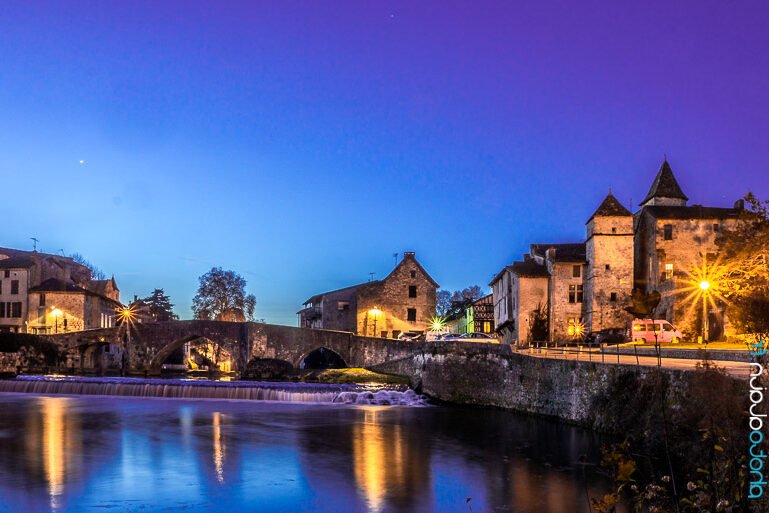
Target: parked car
412, 336
607, 336
651, 330
432, 336
475, 337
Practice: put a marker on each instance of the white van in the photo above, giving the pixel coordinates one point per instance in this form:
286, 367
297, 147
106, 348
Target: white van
654, 330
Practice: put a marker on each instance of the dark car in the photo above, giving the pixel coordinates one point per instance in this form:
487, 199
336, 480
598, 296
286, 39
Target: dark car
608, 336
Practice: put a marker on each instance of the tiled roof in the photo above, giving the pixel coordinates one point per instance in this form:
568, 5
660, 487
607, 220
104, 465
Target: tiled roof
691, 212
529, 268
665, 185
317, 297
16, 262
57, 285
570, 252
611, 207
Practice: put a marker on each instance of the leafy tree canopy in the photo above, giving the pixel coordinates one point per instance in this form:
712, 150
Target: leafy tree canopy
447, 301
222, 296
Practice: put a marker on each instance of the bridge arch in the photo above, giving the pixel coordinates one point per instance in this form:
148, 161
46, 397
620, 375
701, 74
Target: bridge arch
322, 358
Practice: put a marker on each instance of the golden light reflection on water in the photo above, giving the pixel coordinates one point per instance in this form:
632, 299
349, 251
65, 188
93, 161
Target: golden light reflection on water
378, 461
55, 444
219, 447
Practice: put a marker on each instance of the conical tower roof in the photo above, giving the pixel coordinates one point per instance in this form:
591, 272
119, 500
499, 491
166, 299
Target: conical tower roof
611, 207
665, 185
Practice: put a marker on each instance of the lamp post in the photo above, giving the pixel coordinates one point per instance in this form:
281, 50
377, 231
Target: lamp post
56, 314
705, 286
126, 316
375, 312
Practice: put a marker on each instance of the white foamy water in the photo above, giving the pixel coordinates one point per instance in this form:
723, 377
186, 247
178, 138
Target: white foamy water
230, 390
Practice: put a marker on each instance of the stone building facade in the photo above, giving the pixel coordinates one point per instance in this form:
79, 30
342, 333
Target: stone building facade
403, 301
590, 284
45, 293
673, 240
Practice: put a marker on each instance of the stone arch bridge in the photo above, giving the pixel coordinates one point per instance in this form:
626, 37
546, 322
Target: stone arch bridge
146, 346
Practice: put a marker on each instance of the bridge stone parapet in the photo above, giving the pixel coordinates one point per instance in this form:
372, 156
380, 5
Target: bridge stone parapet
146, 346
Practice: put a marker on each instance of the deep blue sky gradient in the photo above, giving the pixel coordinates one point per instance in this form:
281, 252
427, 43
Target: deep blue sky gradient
303, 143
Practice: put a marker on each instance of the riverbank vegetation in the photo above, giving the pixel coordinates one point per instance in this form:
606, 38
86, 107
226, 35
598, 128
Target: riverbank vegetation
684, 443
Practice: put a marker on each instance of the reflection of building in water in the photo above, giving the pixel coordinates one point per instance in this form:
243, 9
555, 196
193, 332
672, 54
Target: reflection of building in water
390, 469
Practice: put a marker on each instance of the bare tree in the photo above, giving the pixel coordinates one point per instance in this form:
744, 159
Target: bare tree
95, 272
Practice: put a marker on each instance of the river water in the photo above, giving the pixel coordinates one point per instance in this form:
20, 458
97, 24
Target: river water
140, 454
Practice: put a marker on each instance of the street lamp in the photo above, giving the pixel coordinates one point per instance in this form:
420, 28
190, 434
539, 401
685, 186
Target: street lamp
56, 314
705, 286
375, 313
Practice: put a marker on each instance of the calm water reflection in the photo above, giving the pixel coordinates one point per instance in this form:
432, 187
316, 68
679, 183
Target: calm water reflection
92, 453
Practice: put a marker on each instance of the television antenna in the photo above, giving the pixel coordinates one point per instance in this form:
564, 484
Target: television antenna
371, 276
34, 243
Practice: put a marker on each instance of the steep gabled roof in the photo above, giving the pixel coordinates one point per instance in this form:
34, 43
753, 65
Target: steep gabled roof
57, 285
665, 185
611, 207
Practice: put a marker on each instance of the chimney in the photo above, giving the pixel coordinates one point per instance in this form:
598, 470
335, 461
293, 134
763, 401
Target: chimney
550, 254
739, 205
409, 254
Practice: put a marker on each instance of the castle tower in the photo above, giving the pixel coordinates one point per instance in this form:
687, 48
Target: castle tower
609, 274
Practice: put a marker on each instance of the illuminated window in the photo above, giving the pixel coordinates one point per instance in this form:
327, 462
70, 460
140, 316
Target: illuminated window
575, 293
668, 231
411, 315
668, 272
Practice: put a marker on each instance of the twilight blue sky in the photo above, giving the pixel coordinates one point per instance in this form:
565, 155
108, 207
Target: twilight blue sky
303, 143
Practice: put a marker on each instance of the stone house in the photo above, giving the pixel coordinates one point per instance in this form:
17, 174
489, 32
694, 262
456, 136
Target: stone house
403, 301
589, 285
673, 239
44, 293
518, 291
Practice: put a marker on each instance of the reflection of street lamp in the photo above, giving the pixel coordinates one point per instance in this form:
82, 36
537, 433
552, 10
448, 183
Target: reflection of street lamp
704, 286
375, 313
56, 314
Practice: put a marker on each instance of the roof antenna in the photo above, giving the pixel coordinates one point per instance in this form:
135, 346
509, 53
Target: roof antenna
61, 250
395, 256
371, 276
34, 243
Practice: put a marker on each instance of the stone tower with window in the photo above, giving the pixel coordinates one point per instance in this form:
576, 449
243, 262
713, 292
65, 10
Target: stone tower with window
609, 271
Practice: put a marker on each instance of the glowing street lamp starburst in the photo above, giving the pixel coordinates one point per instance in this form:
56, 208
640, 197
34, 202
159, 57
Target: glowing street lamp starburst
437, 323
707, 284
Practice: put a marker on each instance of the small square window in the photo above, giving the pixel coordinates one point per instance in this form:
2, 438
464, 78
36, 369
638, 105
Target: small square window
608, 267
7, 274
668, 231
613, 229
613, 296
14, 286
576, 271
413, 274
411, 315
716, 227
412, 291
